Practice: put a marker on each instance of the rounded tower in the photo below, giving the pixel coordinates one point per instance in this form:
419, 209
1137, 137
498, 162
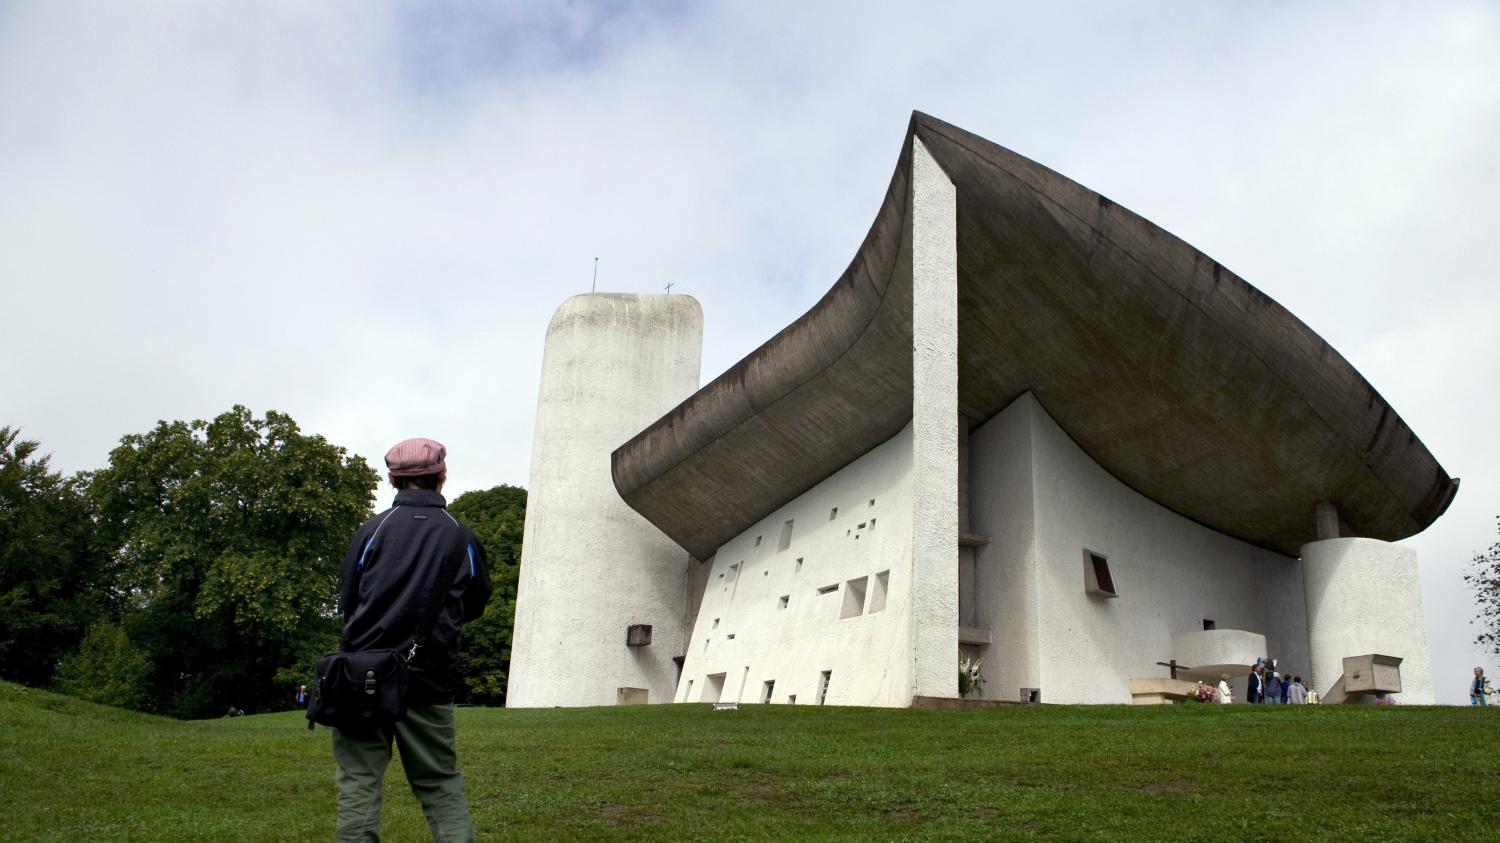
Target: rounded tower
591, 567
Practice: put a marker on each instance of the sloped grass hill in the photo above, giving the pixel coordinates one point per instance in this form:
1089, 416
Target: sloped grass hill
74, 771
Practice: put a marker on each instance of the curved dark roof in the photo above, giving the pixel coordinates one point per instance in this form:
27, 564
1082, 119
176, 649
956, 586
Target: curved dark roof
1174, 374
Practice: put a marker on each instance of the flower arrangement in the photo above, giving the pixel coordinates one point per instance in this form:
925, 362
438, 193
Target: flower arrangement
1206, 693
969, 678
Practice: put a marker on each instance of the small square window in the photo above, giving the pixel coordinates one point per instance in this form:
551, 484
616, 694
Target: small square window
1207, 624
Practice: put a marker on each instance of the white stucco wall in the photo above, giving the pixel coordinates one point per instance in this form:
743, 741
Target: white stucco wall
868, 654
933, 221
1363, 596
1171, 572
590, 565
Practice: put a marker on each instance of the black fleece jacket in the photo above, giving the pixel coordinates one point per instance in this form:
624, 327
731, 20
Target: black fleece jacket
394, 563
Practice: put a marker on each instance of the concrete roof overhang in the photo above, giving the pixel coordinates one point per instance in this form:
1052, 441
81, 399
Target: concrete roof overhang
1175, 375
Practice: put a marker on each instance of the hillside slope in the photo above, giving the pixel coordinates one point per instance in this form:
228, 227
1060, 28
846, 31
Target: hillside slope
70, 770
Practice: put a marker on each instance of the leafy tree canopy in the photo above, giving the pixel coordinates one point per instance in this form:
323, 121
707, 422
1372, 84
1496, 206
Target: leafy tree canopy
498, 517
51, 578
227, 535
1484, 577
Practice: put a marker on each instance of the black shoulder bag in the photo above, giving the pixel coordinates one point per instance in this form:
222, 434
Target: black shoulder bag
364, 690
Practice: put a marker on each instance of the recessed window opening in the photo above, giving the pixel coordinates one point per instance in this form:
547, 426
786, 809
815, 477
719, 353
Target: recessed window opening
767, 689
1207, 624
872, 524
1097, 577
713, 687
799, 564
872, 501
829, 589
833, 513
854, 598
791, 699
729, 637
688, 694
878, 589
823, 679
786, 536
705, 644
757, 541
783, 601
716, 623
1031, 695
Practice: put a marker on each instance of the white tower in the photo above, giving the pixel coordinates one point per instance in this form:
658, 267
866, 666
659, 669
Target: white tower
591, 567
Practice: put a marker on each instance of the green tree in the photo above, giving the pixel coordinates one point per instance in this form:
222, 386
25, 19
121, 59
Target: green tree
107, 669
228, 535
52, 581
498, 517
1484, 577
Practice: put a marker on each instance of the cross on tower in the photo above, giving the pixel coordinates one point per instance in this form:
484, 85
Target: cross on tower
669, 287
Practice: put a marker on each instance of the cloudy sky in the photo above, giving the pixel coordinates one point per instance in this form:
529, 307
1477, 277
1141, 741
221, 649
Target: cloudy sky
364, 214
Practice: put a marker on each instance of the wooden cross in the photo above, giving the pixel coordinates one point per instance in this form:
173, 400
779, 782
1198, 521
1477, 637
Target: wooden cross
1173, 666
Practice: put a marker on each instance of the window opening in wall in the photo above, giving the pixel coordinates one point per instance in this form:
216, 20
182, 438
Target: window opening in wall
785, 599
854, 598
829, 589
705, 644
799, 565
734, 579
823, 679
872, 501
716, 623
872, 525
713, 687
1207, 624
833, 513
786, 536
766, 690
791, 699
877, 591
729, 637
688, 694
757, 541
1096, 575
1031, 695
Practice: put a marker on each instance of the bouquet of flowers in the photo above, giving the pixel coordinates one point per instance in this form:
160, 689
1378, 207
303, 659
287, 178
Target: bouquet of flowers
969, 678
1206, 693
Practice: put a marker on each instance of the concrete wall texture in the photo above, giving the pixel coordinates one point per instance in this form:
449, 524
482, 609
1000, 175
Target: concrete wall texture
590, 565
1363, 597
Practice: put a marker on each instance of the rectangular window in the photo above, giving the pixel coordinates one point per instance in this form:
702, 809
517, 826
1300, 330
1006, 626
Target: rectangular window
785, 599
713, 687
757, 541
767, 689
791, 699
829, 589
823, 680
854, 598
1207, 624
1097, 578
872, 501
799, 565
833, 513
877, 591
786, 536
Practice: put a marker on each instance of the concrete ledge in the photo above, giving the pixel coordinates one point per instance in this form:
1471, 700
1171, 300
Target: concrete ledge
956, 702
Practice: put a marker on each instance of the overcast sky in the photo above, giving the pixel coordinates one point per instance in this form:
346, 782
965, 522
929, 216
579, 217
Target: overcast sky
364, 214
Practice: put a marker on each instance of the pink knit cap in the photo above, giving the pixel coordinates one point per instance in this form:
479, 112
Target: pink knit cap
416, 457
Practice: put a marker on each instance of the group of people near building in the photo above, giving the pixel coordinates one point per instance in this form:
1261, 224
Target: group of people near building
1265, 685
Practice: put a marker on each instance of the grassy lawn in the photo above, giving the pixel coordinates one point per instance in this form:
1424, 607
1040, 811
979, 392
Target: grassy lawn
74, 771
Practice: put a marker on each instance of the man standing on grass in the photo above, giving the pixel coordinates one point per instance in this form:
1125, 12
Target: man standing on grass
394, 563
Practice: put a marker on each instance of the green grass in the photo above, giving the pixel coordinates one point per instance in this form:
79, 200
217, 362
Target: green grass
73, 771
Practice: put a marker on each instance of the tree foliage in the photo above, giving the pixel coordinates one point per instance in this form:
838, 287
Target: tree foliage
227, 537
52, 580
498, 517
107, 669
1484, 577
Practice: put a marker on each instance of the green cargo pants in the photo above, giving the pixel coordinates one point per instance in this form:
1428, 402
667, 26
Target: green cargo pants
429, 757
